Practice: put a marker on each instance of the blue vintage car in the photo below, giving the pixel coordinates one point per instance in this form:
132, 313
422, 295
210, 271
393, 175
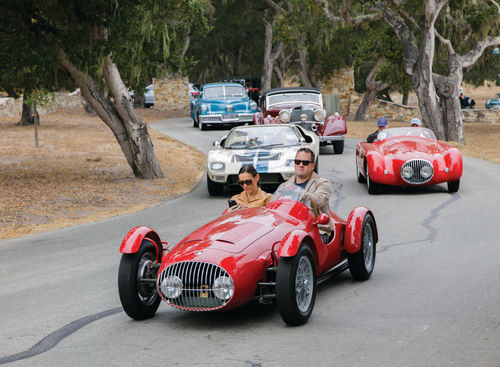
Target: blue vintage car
222, 103
493, 102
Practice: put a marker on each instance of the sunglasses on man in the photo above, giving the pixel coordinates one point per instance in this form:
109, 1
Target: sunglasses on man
300, 161
245, 182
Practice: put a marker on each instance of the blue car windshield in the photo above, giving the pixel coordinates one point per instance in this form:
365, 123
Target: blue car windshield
262, 137
223, 91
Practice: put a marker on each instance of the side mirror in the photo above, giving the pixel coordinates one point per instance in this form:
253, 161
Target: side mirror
323, 218
216, 144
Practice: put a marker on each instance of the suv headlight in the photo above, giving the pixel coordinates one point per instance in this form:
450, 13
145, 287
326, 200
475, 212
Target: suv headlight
285, 116
319, 114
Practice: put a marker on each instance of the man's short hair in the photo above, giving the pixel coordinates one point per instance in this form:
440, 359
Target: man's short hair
307, 150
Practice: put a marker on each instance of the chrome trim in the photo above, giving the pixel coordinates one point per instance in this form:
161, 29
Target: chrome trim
416, 165
198, 278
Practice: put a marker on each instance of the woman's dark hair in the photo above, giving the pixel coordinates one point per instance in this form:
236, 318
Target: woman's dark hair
248, 168
307, 150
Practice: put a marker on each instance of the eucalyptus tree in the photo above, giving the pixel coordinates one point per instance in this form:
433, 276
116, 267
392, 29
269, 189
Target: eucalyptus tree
417, 24
92, 40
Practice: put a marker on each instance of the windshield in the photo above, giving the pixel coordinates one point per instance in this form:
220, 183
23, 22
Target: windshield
223, 91
292, 192
263, 137
406, 131
294, 97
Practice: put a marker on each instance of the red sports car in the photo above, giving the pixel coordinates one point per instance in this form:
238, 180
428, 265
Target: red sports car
407, 156
302, 106
264, 254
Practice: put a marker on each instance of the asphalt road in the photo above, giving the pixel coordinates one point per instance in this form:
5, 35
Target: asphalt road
433, 299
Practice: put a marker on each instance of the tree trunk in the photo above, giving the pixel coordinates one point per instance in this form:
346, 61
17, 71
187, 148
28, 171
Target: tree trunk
130, 131
270, 56
447, 89
372, 88
28, 115
404, 100
303, 70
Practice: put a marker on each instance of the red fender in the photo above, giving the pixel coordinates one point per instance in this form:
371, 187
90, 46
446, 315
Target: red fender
354, 229
290, 244
375, 164
132, 241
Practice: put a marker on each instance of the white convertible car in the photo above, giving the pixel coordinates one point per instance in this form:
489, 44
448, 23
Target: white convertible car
270, 149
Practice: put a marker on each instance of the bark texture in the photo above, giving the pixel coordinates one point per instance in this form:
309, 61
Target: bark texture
29, 114
271, 54
130, 131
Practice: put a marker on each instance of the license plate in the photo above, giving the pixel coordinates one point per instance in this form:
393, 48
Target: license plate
231, 116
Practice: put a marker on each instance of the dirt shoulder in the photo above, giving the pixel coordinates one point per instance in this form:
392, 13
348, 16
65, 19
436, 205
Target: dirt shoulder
78, 173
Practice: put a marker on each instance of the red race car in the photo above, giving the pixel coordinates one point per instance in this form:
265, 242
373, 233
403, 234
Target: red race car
302, 106
407, 156
263, 254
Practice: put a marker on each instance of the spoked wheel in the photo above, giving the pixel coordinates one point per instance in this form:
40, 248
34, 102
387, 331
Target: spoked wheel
296, 286
453, 186
137, 282
361, 263
373, 187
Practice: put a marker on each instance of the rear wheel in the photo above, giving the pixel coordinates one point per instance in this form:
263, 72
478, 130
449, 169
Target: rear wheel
338, 147
214, 188
296, 286
137, 282
361, 263
453, 186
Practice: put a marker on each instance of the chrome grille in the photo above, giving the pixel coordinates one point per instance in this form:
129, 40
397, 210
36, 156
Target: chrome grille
197, 291
295, 115
416, 165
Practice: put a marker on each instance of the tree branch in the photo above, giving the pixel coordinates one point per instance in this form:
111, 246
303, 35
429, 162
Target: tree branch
445, 42
495, 4
276, 7
470, 57
329, 15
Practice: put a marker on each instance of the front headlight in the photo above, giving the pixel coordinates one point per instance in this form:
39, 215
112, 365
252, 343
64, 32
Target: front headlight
319, 114
285, 116
253, 105
217, 166
223, 287
171, 286
426, 171
407, 172
204, 108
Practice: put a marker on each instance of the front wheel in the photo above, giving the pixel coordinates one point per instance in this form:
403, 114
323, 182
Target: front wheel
361, 263
137, 282
338, 147
214, 188
373, 187
453, 186
361, 178
296, 286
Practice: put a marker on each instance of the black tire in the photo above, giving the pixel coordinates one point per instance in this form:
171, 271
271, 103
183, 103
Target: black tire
139, 301
361, 263
338, 147
361, 178
214, 188
289, 277
453, 186
373, 187
201, 125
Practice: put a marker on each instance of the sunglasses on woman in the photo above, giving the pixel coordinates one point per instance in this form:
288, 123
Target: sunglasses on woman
304, 162
245, 182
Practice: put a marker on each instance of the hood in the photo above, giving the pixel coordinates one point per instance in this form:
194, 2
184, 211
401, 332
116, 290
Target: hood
230, 233
407, 144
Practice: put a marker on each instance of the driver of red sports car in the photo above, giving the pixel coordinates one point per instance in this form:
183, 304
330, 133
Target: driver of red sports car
317, 188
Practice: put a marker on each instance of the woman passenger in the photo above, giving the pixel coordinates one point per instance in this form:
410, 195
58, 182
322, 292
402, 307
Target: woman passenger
252, 195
